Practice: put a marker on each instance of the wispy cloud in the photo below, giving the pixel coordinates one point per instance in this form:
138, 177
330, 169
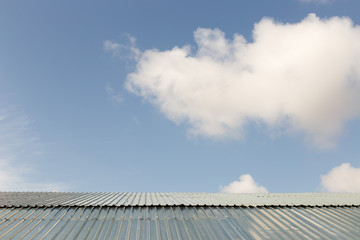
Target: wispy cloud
300, 77
15, 177
112, 47
127, 49
17, 141
343, 178
246, 184
315, 1
116, 98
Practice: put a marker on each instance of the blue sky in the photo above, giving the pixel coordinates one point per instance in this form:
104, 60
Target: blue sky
85, 102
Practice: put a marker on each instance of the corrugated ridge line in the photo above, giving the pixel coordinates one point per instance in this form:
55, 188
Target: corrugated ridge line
101, 198
187, 199
117, 198
107, 199
136, 200
159, 200
168, 199
56, 199
176, 199
95, 200
130, 199
36, 199
77, 200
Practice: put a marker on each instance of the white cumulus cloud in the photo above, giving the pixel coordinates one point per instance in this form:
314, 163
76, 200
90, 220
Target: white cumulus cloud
343, 178
301, 77
246, 184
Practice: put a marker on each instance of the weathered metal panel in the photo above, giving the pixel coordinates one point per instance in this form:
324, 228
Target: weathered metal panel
49, 199
180, 223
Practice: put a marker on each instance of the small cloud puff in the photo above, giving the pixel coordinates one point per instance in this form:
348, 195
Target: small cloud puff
246, 184
343, 178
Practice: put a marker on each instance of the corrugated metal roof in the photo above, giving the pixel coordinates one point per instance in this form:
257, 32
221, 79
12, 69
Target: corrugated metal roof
180, 223
175, 199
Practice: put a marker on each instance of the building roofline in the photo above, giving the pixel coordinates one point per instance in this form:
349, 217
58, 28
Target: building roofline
69, 199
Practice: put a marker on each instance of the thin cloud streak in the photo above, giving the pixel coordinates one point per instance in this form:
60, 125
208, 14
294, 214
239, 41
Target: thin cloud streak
116, 98
315, 1
127, 49
17, 142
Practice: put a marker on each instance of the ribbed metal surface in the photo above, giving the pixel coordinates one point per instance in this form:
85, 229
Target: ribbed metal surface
24, 199
180, 223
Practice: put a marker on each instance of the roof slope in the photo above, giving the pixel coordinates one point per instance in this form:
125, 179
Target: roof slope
44, 215
180, 223
25, 199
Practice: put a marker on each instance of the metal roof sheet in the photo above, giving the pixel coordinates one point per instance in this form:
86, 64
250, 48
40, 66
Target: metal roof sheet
17, 199
180, 223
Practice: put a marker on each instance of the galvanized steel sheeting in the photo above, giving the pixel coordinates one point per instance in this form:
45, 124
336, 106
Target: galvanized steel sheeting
180, 223
39, 199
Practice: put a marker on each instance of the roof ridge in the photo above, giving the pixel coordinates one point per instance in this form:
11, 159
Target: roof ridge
178, 199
